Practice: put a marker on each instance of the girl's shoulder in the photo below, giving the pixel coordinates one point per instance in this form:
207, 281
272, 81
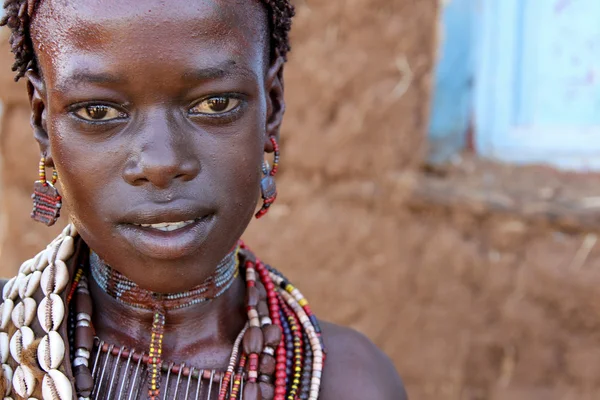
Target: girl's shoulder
356, 369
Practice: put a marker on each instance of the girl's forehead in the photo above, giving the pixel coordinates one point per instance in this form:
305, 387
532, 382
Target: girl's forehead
161, 10
150, 30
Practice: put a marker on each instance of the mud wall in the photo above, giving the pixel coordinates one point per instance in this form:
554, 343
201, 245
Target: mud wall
470, 305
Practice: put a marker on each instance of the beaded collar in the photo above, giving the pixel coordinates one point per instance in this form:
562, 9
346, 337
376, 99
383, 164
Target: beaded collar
125, 291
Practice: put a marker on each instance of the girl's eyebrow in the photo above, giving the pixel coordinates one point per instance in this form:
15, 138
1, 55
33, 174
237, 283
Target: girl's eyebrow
86, 76
222, 70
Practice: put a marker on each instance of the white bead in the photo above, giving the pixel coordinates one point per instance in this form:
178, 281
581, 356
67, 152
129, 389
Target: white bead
83, 323
56, 386
51, 351
24, 312
81, 352
81, 361
51, 312
20, 341
83, 317
55, 278
23, 381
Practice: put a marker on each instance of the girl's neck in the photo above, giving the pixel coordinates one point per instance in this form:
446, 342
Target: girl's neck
199, 334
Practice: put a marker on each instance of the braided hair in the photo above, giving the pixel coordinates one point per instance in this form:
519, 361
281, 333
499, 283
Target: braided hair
18, 15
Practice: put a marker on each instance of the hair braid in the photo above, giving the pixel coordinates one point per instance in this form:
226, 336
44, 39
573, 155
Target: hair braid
18, 17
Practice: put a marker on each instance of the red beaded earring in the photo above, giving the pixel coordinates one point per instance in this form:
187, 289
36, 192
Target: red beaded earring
267, 184
46, 199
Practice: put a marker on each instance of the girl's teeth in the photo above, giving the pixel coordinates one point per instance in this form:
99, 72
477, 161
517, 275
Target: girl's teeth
168, 226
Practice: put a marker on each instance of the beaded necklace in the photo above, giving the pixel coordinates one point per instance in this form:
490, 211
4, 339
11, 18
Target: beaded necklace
268, 365
125, 291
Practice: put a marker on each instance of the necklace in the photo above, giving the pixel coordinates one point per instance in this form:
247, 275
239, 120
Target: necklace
125, 291
281, 354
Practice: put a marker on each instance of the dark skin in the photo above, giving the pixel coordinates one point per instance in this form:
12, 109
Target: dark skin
160, 112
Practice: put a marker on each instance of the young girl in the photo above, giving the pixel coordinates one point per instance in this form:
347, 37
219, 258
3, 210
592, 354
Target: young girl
155, 116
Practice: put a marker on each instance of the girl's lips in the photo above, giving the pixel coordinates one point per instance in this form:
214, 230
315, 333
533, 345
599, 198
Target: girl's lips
171, 240
168, 226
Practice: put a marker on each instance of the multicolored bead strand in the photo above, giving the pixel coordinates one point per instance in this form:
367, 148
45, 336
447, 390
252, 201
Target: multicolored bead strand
232, 362
296, 346
299, 297
155, 354
237, 380
307, 369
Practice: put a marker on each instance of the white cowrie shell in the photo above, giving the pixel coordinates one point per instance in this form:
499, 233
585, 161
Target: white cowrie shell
51, 351
40, 261
24, 312
66, 249
14, 289
73, 232
4, 347
7, 289
32, 283
66, 232
8, 376
56, 386
23, 381
51, 312
55, 278
23, 285
5, 312
20, 340
52, 251
26, 266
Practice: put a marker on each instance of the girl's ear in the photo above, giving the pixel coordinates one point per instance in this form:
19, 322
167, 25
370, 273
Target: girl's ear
37, 99
275, 101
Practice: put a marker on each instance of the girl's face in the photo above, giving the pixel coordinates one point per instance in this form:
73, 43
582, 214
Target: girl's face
156, 115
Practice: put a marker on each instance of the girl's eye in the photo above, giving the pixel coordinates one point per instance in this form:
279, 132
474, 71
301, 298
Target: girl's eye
215, 105
99, 112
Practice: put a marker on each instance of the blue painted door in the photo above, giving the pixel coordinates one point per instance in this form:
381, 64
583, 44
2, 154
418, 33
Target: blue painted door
538, 82
452, 101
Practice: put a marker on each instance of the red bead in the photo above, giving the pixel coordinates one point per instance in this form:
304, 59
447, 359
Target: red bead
280, 374
280, 389
280, 382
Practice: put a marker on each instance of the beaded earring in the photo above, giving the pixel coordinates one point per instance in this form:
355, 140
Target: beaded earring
268, 188
46, 199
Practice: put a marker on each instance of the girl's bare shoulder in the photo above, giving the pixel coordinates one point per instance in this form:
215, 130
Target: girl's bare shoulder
356, 369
